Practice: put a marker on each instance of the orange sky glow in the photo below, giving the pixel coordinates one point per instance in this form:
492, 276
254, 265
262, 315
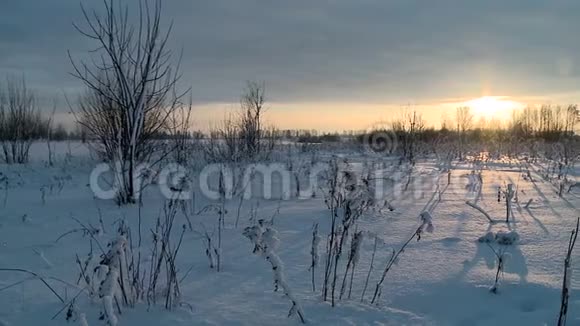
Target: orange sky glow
329, 117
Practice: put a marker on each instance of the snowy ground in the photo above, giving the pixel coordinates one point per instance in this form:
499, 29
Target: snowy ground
444, 279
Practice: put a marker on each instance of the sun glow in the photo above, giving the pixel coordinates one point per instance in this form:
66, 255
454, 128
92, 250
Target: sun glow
492, 106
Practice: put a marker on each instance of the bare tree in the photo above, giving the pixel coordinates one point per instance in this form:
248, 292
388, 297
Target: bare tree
464, 120
572, 116
445, 123
252, 105
416, 125
243, 136
20, 121
179, 129
407, 129
131, 85
224, 144
550, 122
49, 135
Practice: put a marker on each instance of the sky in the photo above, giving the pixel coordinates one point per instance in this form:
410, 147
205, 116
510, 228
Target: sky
326, 64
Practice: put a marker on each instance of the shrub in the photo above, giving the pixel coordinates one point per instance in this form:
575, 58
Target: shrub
20, 121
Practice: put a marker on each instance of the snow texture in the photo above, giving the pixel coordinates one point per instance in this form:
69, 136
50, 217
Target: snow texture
442, 280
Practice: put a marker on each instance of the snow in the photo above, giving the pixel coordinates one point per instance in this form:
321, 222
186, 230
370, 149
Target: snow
443, 279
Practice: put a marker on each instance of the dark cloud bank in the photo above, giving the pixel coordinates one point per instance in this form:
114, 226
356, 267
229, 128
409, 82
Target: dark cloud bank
341, 50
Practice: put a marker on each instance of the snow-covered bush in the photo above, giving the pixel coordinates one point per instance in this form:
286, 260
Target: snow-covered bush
265, 241
347, 197
20, 121
113, 285
125, 278
244, 136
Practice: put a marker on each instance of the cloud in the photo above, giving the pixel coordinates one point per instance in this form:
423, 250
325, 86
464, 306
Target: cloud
371, 51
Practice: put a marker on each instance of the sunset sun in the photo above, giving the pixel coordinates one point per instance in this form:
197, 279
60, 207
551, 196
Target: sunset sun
492, 106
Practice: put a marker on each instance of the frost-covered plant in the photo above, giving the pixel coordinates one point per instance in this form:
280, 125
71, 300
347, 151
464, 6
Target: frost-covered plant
371, 266
84, 273
315, 255
211, 244
502, 257
347, 199
566, 283
426, 226
85, 230
73, 314
111, 267
124, 279
332, 200
509, 194
353, 259
221, 220
481, 210
210, 249
34, 276
265, 241
164, 255
568, 154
